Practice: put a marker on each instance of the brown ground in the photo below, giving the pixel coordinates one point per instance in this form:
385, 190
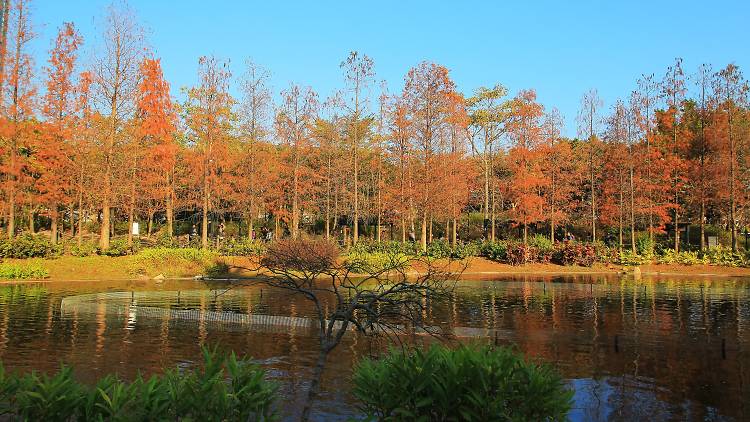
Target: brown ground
482, 267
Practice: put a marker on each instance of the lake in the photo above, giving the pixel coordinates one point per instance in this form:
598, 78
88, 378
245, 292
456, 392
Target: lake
671, 348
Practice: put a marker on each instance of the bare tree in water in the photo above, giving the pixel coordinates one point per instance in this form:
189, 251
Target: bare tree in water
384, 294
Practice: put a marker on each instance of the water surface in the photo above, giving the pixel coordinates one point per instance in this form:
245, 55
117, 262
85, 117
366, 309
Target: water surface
654, 349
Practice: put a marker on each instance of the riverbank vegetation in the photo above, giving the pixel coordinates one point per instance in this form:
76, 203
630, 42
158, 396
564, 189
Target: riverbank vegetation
85, 160
34, 257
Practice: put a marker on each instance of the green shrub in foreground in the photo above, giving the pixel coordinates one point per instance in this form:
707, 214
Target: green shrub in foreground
22, 271
224, 389
467, 383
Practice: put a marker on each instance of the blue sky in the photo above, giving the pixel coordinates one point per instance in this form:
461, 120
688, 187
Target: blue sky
560, 48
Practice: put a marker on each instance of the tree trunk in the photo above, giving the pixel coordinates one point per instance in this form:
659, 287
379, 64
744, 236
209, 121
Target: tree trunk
104, 232
204, 222
53, 224
80, 218
32, 227
423, 238
552, 225
71, 211
170, 216
250, 228
131, 216
632, 210
593, 190
355, 226
295, 204
732, 210
492, 217
703, 224
622, 207
455, 232
380, 218
12, 197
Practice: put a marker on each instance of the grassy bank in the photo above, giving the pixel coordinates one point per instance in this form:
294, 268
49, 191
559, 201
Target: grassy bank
154, 265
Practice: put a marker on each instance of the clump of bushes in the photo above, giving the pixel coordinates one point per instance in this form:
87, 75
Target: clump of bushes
162, 259
244, 247
437, 249
670, 256
724, 256
225, 388
495, 251
22, 271
630, 259
28, 246
575, 253
720, 256
464, 250
468, 383
301, 255
84, 249
540, 250
443, 249
368, 263
119, 247
518, 254
389, 247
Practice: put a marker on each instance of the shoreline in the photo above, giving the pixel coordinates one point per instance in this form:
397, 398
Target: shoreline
103, 268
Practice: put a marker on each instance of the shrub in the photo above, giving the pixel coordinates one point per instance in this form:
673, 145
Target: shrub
541, 242
464, 250
244, 247
439, 249
724, 256
85, 249
630, 259
301, 255
518, 253
468, 383
118, 247
495, 251
406, 248
158, 258
645, 246
164, 240
604, 253
28, 246
670, 256
22, 271
540, 249
368, 263
218, 269
224, 389
574, 253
